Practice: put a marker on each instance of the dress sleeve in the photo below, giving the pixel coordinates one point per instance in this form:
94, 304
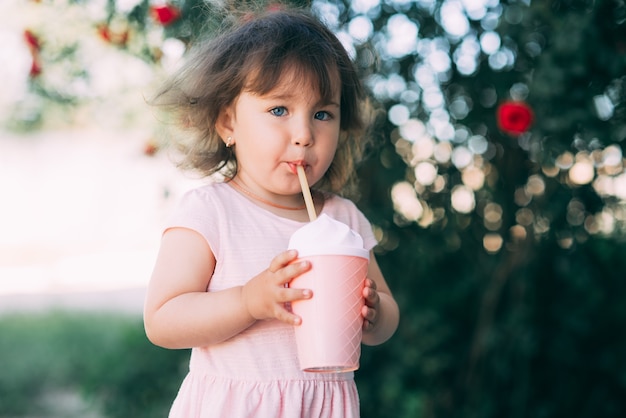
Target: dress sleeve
196, 211
365, 229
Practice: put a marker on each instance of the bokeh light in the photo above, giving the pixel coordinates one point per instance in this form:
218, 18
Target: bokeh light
425, 79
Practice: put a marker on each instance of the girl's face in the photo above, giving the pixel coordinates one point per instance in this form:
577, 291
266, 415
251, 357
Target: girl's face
274, 133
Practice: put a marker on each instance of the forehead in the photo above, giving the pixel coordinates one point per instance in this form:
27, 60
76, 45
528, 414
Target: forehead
294, 79
294, 83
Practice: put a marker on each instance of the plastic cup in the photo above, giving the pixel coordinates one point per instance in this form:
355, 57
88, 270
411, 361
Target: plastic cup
329, 337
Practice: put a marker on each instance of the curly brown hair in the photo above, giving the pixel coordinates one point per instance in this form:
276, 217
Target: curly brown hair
251, 55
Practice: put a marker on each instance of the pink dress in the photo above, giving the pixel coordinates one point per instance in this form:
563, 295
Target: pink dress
256, 373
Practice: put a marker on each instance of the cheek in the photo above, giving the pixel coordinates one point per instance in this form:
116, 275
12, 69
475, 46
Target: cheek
261, 154
327, 160
333, 146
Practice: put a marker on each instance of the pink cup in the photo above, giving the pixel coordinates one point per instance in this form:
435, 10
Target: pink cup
329, 337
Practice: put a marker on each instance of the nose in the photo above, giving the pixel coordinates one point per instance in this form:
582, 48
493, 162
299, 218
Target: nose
302, 134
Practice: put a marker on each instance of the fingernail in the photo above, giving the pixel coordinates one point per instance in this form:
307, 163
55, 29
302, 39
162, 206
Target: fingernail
306, 293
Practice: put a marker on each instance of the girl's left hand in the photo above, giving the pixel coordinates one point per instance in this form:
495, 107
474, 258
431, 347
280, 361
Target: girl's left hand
372, 302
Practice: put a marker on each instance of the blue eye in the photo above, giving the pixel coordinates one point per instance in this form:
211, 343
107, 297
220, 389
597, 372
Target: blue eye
323, 115
278, 111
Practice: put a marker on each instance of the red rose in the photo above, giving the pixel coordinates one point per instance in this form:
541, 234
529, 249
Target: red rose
104, 32
35, 68
32, 40
34, 45
165, 14
119, 37
514, 118
150, 148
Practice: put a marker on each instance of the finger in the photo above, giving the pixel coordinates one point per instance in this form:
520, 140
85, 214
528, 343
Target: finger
367, 325
293, 270
282, 259
287, 294
369, 286
368, 320
368, 314
371, 297
283, 315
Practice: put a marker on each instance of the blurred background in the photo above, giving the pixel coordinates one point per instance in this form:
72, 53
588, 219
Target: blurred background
496, 188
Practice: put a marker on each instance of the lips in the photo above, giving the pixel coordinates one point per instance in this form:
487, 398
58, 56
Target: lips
294, 164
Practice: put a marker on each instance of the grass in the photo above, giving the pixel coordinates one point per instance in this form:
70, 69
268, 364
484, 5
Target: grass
73, 364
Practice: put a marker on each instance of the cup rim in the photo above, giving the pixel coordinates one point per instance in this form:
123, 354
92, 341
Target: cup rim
351, 252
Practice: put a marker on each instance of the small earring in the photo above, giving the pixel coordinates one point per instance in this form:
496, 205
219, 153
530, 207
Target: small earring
229, 142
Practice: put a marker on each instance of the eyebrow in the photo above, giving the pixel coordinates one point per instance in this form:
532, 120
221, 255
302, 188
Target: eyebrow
288, 96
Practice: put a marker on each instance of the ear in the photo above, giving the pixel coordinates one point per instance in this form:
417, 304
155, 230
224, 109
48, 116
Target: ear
225, 123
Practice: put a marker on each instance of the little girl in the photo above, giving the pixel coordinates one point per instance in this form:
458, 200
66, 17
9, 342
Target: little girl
275, 92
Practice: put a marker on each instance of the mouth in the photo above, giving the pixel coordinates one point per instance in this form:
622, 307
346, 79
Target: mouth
293, 166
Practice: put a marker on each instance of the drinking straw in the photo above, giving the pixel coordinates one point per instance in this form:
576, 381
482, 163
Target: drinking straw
306, 192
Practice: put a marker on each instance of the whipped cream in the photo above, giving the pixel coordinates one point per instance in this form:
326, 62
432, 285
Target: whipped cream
325, 236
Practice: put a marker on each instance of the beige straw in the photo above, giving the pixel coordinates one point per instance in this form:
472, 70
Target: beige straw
306, 192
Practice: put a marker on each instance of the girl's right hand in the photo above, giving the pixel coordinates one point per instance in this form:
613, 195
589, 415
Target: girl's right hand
266, 294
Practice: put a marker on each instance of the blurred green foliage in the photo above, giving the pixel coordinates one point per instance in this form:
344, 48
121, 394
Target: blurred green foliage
536, 334
534, 329
105, 360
